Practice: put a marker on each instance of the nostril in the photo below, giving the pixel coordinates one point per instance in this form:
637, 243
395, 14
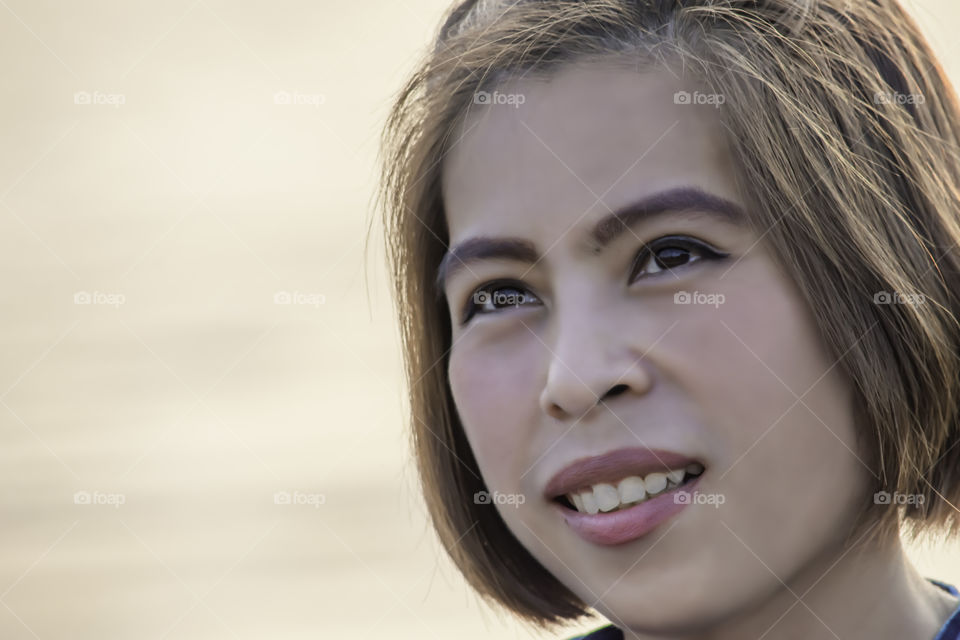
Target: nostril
615, 391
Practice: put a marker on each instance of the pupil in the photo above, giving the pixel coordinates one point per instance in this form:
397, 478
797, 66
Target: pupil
668, 258
507, 297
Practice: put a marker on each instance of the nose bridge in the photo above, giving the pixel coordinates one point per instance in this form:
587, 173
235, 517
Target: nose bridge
584, 354
579, 335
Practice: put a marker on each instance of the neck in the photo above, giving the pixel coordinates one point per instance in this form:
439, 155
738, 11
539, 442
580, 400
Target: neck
868, 591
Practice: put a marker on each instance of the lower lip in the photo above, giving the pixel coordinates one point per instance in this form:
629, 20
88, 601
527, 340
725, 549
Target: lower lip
617, 527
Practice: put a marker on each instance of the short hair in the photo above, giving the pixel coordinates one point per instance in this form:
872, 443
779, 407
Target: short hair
844, 132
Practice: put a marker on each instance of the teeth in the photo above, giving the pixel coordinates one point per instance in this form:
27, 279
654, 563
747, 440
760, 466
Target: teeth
589, 502
655, 482
577, 500
631, 490
607, 497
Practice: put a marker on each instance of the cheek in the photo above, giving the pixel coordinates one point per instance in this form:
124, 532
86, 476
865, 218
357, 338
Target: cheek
496, 397
788, 459
760, 365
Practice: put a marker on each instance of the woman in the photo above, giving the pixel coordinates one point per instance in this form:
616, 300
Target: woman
678, 284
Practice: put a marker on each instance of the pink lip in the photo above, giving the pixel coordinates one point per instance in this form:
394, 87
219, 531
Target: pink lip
612, 467
617, 527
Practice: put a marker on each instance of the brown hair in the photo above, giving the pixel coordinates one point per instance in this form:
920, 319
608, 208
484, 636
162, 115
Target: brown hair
845, 133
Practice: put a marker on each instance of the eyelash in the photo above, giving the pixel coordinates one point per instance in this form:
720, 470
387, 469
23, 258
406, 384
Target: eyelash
647, 252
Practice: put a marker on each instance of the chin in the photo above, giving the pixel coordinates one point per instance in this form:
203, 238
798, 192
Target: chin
662, 614
687, 603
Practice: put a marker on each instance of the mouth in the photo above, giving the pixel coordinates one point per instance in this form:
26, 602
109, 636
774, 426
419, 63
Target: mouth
629, 491
623, 495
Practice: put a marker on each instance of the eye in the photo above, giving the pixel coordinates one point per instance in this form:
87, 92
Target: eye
670, 252
493, 296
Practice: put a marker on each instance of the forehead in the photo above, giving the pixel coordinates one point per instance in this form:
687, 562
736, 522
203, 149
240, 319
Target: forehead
562, 151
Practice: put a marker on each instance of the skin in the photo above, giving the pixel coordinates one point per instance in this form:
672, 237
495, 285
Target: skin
717, 383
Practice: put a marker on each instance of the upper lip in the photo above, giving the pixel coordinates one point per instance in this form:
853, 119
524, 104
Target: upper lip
613, 466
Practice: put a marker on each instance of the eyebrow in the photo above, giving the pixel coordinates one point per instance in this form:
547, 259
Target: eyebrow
604, 232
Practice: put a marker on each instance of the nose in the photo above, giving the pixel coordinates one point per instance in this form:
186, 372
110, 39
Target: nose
590, 363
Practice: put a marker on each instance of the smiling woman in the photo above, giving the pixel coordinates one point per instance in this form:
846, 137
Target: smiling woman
678, 286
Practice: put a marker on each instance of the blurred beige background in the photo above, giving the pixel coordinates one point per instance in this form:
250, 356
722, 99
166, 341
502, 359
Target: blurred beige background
201, 426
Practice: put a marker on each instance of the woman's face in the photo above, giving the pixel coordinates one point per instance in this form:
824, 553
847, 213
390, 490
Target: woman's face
710, 351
